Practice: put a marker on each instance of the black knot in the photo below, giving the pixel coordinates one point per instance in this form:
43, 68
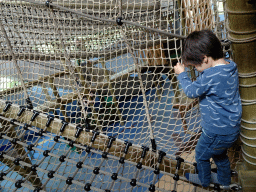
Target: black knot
46, 153
87, 187
18, 183
50, 174
34, 167
56, 138
119, 21
79, 164
30, 147
96, 170
69, 180
133, 182
17, 161
114, 176
2, 174
37, 189
104, 155
152, 188
62, 158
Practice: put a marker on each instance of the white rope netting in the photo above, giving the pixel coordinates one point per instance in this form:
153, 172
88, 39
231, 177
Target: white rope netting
103, 67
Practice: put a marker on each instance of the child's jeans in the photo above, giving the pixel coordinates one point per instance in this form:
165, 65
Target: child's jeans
215, 146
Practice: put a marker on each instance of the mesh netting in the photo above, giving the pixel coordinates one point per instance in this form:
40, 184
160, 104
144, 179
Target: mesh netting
95, 104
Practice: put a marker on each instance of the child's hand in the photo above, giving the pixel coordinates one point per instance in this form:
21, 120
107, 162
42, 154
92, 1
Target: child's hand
179, 68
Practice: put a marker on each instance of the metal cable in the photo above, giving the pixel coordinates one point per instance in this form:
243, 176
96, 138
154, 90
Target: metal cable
109, 20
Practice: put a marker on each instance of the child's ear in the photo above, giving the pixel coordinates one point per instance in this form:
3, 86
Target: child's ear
205, 60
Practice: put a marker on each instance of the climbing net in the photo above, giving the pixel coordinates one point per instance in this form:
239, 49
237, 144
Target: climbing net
89, 99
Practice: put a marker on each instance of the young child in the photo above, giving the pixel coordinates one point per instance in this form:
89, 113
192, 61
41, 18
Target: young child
220, 105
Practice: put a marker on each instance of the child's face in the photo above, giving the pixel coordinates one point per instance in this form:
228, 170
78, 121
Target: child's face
202, 67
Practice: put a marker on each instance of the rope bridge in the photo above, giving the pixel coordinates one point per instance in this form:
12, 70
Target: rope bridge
89, 99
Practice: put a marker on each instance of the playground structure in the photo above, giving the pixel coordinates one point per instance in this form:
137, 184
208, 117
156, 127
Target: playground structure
89, 99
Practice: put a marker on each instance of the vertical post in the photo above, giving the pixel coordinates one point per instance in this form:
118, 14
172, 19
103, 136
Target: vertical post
242, 33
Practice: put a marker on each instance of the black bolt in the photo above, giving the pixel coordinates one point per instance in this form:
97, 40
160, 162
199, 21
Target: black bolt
133, 182
96, 170
107, 190
179, 161
1, 135
161, 156
110, 141
22, 109
63, 126
69, 180
78, 131
50, 119
153, 143
79, 164
7, 106
87, 187
30, 147
145, 149
29, 103
114, 176
35, 114
127, 145
95, 133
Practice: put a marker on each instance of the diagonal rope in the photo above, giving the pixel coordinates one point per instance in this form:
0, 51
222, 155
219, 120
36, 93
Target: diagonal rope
142, 90
29, 103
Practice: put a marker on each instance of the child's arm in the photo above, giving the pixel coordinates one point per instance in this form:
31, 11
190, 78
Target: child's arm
191, 89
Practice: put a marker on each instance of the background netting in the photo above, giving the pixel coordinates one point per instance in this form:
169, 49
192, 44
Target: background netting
104, 66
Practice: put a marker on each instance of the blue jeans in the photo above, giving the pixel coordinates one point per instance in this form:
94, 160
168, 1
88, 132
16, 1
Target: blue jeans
214, 146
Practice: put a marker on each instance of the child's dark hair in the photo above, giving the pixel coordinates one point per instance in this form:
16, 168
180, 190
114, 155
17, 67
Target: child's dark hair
199, 44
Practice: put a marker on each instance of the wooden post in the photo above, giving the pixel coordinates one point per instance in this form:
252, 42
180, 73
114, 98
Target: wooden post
242, 33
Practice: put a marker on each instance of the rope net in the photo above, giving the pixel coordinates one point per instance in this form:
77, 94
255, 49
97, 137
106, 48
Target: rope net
89, 99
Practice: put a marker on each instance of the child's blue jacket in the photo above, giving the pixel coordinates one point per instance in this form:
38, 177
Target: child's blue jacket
218, 91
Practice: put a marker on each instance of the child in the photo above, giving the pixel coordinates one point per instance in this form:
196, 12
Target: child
220, 105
